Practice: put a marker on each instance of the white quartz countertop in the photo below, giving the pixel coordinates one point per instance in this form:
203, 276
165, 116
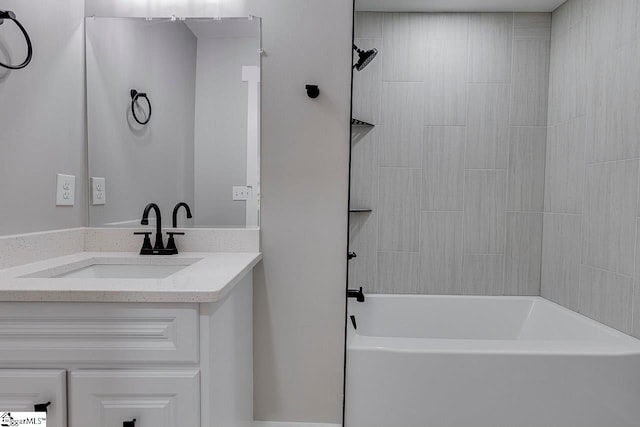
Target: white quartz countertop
210, 277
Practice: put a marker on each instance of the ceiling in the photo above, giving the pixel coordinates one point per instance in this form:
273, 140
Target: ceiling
458, 5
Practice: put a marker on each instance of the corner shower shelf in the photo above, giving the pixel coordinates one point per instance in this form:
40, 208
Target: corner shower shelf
360, 210
360, 123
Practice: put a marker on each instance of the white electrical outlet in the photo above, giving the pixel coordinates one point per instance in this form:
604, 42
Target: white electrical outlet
241, 192
98, 191
65, 190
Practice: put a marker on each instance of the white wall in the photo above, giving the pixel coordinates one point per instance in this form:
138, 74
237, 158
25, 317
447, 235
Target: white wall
300, 286
141, 164
42, 117
221, 128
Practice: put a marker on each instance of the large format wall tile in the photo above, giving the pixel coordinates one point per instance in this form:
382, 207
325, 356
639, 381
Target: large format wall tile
490, 39
446, 26
568, 15
488, 127
592, 167
610, 24
404, 44
609, 219
613, 127
399, 210
459, 143
402, 124
561, 241
483, 274
364, 170
445, 83
363, 236
368, 25
443, 169
441, 253
567, 79
523, 254
526, 166
564, 177
607, 297
636, 285
529, 94
398, 272
532, 26
484, 211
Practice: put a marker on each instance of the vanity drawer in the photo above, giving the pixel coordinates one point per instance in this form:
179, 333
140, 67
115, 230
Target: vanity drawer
22, 389
98, 333
162, 398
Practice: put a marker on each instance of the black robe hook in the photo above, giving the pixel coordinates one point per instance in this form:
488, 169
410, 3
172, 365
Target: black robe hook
312, 91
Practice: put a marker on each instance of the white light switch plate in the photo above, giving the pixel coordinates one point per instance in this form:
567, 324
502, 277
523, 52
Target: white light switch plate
65, 190
241, 192
98, 191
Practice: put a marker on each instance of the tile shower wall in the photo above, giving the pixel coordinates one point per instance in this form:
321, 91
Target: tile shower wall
454, 168
590, 259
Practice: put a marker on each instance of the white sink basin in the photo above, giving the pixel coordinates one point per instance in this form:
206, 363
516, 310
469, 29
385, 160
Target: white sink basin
122, 271
116, 268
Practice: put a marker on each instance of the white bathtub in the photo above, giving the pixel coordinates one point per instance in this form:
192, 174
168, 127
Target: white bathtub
486, 362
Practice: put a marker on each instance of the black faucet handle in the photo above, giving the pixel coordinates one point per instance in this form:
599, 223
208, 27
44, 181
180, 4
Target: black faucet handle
146, 245
171, 248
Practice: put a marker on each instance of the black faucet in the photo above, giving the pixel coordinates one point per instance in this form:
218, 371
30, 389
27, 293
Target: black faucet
158, 248
358, 295
172, 249
175, 212
145, 221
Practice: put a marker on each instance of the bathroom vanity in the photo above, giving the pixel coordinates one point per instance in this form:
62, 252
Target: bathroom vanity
104, 338
90, 330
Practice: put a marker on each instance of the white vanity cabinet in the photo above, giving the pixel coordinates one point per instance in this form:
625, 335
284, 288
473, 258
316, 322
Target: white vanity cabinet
102, 364
22, 389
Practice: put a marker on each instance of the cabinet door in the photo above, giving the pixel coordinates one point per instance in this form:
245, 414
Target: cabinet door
21, 389
108, 398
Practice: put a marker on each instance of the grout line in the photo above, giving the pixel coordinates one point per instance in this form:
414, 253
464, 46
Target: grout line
467, 73
399, 167
582, 214
611, 161
509, 155
420, 190
486, 169
604, 270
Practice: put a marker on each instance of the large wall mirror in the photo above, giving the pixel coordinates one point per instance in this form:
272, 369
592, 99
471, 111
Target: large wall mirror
173, 112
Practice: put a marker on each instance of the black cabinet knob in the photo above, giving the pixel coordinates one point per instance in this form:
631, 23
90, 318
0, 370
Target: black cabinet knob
131, 423
41, 407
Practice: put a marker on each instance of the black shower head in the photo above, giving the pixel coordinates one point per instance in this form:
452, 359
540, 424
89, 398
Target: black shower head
364, 57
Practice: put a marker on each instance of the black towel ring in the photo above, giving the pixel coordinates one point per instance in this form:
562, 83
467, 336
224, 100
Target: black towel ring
135, 95
7, 14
